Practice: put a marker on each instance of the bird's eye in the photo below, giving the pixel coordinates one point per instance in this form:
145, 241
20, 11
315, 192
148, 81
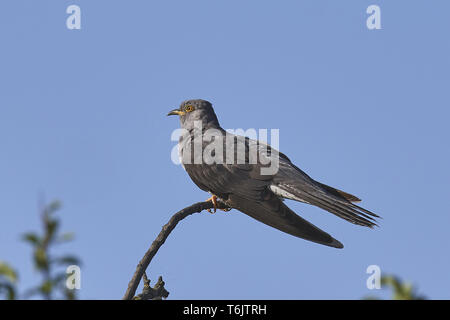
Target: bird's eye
188, 108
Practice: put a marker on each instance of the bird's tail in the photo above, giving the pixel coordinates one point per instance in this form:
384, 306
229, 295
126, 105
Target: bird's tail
340, 193
333, 200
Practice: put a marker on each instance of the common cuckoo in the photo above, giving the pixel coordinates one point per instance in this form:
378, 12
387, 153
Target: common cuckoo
234, 175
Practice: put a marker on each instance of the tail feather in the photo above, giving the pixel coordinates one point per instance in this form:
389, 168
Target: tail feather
332, 200
343, 210
340, 193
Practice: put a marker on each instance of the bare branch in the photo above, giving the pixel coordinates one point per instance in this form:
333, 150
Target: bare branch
160, 239
158, 292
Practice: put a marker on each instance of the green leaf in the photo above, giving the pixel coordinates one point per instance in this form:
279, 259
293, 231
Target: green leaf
32, 238
10, 290
8, 272
46, 287
69, 294
51, 228
40, 259
400, 290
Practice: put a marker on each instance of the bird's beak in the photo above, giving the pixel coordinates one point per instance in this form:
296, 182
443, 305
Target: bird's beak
176, 112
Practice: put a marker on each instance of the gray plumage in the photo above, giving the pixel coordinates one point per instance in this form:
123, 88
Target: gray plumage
243, 187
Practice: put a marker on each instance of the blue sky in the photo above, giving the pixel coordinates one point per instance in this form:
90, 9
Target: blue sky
82, 120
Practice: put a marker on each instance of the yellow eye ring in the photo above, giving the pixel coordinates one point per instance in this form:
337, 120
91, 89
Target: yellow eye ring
188, 108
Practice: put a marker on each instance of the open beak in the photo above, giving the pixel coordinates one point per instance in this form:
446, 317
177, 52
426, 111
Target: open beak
176, 112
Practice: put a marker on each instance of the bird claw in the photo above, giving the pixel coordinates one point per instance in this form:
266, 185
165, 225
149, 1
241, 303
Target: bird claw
213, 199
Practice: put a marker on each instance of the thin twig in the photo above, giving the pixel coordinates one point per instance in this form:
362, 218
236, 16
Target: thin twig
160, 239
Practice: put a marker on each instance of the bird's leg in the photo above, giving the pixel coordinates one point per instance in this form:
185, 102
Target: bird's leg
213, 199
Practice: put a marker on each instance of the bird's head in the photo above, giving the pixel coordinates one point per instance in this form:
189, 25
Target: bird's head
196, 110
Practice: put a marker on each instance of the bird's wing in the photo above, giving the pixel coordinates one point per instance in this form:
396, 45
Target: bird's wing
292, 183
244, 188
273, 212
238, 176
222, 180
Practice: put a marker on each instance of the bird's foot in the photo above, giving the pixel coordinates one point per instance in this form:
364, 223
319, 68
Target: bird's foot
213, 199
